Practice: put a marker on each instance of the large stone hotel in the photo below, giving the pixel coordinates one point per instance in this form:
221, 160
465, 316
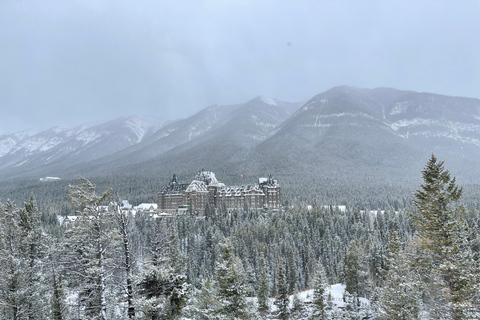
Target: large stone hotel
206, 189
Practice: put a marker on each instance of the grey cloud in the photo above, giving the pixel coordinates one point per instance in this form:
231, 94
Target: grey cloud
79, 61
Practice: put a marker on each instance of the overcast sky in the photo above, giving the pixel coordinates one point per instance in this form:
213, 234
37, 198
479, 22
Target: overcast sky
72, 62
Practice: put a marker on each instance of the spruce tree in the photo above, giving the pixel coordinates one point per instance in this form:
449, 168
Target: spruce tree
231, 285
318, 312
262, 294
445, 259
282, 301
23, 248
205, 302
398, 299
352, 272
163, 284
124, 221
91, 243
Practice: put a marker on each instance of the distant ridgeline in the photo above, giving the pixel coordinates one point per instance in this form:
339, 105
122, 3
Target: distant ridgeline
205, 190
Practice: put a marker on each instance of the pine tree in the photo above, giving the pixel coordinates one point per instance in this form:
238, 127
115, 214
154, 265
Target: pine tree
352, 271
231, 286
282, 301
292, 272
318, 302
11, 276
163, 283
398, 299
298, 306
59, 308
91, 242
445, 258
124, 221
205, 302
262, 294
23, 249
34, 247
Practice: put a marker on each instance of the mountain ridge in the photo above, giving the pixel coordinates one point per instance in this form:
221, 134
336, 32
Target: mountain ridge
383, 133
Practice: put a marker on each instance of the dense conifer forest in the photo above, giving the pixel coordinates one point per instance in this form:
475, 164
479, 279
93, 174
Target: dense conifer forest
399, 255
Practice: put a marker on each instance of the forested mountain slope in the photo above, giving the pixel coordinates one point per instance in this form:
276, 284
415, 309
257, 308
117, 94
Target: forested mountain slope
343, 138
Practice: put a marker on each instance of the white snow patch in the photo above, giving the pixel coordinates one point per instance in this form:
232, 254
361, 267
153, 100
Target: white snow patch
319, 118
21, 163
139, 127
165, 134
6, 145
88, 136
49, 144
193, 132
269, 101
260, 123
36, 144
400, 107
451, 129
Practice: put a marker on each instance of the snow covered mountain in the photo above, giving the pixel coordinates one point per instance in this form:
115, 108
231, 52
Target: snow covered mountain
382, 134
214, 136
345, 133
46, 152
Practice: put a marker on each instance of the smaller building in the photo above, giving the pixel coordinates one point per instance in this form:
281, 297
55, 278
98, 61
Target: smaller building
147, 207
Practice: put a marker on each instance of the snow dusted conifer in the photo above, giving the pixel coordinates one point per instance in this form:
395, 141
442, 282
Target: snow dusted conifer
282, 301
231, 285
91, 242
298, 306
352, 272
163, 283
318, 312
124, 220
398, 299
205, 302
445, 260
262, 294
22, 253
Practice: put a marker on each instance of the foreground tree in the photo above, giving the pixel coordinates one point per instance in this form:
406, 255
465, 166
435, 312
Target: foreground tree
231, 285
124, 220
163, 284
23, 283
282, 301
318, 312
445, 260
398, 299
262, 294
352, 272
91, 241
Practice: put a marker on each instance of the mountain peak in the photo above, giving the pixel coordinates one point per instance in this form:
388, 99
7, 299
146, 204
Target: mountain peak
269, 101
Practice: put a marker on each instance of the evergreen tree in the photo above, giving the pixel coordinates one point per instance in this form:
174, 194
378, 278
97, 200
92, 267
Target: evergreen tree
91, 242
398, 299
231, 286
445, 259
124, 222
352, 272
22, 258
163, 283
318, 312
262, 294
206, 303
58, 298
282, 301
297, 305
292, 272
